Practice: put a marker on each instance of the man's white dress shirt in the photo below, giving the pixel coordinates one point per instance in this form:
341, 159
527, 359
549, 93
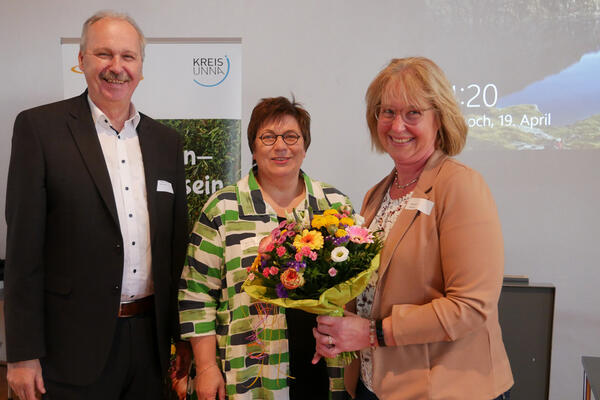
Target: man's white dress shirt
123, 159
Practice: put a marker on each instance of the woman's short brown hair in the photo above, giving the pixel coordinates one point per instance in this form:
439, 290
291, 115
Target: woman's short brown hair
272, 109
419, 82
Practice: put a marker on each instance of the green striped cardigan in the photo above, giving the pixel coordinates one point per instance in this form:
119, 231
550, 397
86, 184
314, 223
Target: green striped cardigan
223, 243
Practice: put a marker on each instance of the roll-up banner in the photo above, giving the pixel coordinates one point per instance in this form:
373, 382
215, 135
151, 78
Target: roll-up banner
193, 85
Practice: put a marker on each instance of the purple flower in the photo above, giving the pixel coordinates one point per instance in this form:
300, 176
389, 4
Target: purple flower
281, 291
342, 240
296, 265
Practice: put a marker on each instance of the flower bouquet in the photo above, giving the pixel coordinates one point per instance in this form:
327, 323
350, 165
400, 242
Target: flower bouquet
315, 263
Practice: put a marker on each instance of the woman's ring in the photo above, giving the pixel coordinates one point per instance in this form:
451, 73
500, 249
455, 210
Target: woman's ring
330, 340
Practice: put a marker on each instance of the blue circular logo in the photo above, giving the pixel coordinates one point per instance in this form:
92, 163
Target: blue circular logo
211, 71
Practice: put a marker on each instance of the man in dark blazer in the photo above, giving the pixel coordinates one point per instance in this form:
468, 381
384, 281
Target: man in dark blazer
97, 233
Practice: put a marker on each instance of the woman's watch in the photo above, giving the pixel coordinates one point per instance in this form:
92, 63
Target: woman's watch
379, 333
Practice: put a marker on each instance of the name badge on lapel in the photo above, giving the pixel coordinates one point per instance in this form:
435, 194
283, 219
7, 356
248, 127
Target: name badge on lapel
164, 186
423, 205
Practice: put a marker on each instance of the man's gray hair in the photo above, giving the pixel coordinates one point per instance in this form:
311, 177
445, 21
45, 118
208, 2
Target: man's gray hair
111, 15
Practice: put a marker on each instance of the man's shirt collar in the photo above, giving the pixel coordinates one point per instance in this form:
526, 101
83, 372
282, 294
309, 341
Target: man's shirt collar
100, 118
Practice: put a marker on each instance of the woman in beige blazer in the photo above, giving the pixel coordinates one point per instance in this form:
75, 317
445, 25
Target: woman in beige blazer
427, 325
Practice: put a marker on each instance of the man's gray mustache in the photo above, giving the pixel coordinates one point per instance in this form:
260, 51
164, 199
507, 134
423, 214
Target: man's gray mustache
111, 76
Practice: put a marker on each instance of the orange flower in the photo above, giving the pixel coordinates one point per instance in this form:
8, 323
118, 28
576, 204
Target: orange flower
291, 279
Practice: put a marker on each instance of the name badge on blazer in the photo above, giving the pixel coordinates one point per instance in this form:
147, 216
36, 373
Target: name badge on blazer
164, 186
423, 205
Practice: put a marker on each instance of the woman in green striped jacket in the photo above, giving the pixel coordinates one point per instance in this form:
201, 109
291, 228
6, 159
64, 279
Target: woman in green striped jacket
244, 349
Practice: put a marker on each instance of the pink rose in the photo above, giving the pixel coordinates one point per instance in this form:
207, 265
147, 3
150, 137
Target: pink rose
281, 251
332, 272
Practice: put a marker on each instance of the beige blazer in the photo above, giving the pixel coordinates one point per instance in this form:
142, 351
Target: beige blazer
440, 279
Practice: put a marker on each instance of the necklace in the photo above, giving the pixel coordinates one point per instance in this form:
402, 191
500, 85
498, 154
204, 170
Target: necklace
402, 187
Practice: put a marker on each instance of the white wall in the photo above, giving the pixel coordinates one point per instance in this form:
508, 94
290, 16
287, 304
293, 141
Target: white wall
326, 53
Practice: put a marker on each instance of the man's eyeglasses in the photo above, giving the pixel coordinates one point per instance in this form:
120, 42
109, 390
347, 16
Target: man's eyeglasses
288, 138
410, 115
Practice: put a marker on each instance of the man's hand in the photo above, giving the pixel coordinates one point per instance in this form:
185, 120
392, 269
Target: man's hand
183, 359
180, 368
25, 379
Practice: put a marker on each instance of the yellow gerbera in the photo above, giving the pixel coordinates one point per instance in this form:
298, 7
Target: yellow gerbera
331, 211
311, 239
347, 221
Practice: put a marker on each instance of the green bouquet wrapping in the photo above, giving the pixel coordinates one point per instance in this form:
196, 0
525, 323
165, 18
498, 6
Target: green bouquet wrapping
330, 302
315, 263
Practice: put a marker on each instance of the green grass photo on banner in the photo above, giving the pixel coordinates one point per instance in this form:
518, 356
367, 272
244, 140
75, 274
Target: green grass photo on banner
212, 158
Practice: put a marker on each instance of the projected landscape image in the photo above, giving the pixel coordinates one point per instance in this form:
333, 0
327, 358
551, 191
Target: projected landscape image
525, 72
559, 112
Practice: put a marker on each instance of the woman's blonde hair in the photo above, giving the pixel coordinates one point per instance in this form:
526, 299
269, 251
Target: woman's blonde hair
419, 82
